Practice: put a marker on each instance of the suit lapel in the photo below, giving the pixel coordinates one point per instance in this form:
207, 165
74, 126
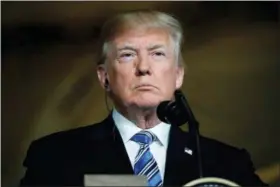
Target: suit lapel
115, 157
119, 156
180, 159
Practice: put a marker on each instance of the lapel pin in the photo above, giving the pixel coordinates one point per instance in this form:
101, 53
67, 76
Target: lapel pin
188, 151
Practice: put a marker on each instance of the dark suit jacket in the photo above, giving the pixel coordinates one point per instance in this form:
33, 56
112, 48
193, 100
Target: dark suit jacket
62, 159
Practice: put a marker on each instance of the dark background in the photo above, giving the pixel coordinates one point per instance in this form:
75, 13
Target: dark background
49, 81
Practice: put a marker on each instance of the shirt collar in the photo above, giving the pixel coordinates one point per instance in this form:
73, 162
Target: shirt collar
128, 129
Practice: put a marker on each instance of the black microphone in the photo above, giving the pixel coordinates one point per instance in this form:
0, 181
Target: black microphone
169, 112
178, 113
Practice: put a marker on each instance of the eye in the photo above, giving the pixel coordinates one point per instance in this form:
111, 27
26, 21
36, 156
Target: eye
159, 53
126, 56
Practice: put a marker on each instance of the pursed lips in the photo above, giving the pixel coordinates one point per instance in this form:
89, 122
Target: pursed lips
145, 85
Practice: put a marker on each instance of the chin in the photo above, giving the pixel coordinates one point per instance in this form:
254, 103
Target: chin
147, 105
147, 102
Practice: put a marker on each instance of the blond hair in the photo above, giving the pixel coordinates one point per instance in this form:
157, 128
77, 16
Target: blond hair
141, 19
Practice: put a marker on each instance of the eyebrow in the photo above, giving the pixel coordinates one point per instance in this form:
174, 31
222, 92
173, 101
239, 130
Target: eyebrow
153, 47
127, 48
150, 48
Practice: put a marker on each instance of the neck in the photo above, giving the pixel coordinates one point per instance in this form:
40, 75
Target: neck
142, 118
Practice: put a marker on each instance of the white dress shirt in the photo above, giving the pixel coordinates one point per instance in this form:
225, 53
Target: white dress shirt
128, 129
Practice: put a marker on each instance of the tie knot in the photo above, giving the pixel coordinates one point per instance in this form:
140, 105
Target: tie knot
144, 137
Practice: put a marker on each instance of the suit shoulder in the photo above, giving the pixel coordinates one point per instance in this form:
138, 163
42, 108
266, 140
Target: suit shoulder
72, 135
236, 161
64, 136
63, 142
218, 147
225, 155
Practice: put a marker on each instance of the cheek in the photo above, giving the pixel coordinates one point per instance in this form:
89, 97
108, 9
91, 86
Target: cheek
169, 74
167, 79
121, 78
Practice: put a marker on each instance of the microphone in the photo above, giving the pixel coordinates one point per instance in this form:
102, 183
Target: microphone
178, 113
169, 112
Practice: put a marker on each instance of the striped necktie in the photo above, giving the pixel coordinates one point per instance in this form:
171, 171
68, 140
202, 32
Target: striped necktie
145, 164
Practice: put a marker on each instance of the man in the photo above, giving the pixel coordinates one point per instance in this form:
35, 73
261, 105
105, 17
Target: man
141, 66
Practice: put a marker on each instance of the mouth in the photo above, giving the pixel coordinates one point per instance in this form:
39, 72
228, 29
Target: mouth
145, 87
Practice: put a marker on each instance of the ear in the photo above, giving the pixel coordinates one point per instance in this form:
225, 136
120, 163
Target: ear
102, 75
179, 76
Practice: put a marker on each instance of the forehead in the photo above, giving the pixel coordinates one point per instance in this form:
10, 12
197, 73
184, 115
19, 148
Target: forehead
142, 38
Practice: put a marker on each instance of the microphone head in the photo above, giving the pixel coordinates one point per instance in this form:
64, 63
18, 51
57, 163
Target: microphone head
171, 112
162, 110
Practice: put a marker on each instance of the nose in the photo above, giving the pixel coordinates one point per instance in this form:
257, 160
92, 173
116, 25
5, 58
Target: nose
143, 66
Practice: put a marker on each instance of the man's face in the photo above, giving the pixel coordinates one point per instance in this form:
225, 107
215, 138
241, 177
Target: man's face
141, 69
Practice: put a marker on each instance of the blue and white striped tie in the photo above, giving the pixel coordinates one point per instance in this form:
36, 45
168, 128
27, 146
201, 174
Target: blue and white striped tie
145, 164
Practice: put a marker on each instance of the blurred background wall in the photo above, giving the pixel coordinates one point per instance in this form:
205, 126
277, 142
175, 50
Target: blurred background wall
49, 81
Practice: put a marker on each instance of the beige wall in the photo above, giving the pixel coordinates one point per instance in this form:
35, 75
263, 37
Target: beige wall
232, 84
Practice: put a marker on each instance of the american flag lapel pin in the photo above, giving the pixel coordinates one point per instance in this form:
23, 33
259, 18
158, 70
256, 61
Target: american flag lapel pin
188, 151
